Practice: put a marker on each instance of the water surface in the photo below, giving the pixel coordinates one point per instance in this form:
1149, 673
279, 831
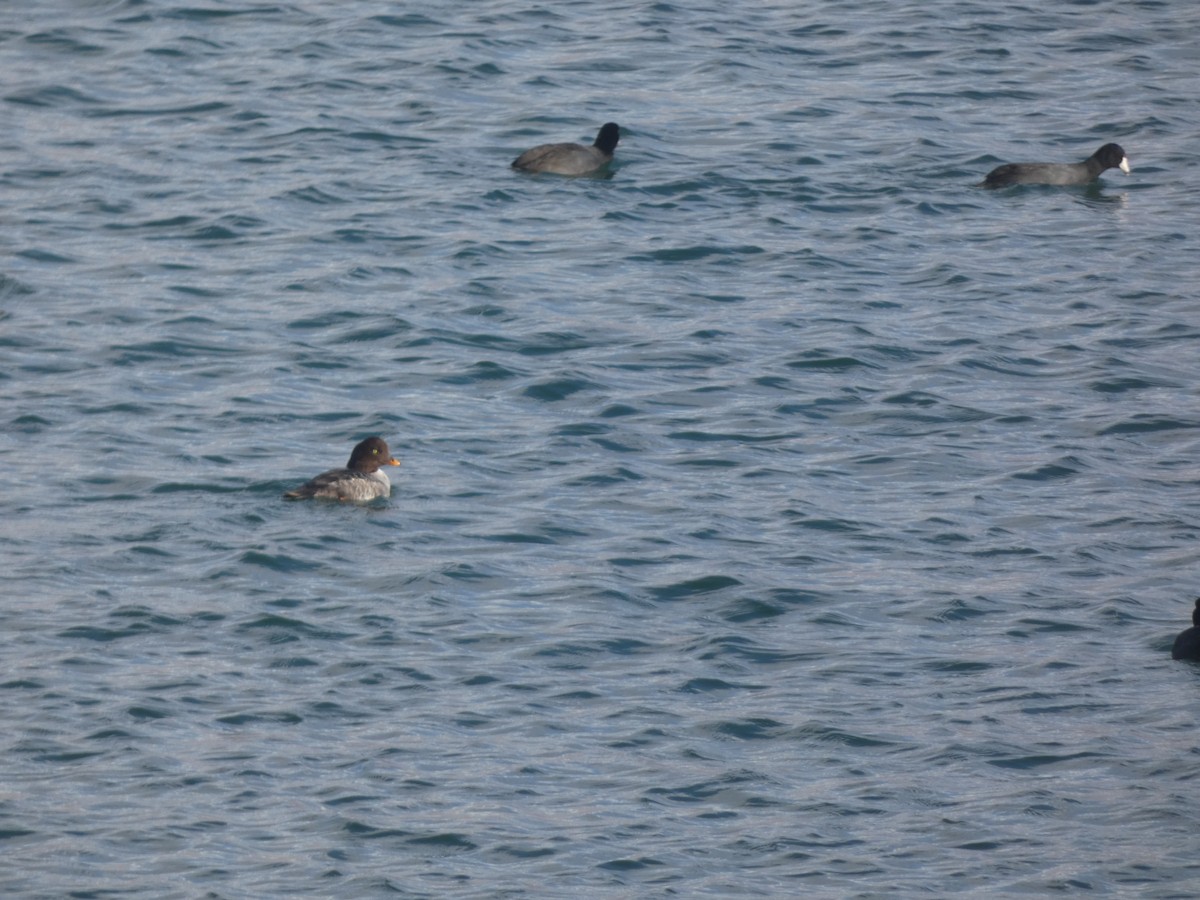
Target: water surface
780, 513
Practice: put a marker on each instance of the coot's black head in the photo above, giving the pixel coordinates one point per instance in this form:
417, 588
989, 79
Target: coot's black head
1196, 615
1111, 156
606, 140
370, 454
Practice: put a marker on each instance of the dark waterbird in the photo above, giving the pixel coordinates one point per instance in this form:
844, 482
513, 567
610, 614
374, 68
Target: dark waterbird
571, 159
1110, 156
1187, 645
360, 481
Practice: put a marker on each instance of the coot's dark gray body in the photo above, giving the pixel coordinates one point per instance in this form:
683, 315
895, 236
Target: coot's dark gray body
571, 159
1110, 156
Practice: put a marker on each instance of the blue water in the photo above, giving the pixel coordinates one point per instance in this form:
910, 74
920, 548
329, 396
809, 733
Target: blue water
780, 515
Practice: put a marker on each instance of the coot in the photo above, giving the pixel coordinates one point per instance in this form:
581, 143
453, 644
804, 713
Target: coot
571, 159
1110, 156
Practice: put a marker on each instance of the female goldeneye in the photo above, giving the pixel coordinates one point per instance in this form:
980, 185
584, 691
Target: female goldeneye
361, 480
571, 159
1187, 645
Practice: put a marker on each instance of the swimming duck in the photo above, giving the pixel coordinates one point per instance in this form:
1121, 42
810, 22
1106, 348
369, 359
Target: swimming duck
360, 481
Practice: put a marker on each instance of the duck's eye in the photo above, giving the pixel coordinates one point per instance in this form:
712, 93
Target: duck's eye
374, 449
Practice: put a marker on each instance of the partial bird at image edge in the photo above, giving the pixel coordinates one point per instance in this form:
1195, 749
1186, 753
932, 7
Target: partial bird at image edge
1187, 644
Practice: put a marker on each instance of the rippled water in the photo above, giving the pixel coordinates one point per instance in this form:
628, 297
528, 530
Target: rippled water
780, 514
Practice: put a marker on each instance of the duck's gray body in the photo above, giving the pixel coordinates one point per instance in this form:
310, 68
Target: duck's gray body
361, 481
